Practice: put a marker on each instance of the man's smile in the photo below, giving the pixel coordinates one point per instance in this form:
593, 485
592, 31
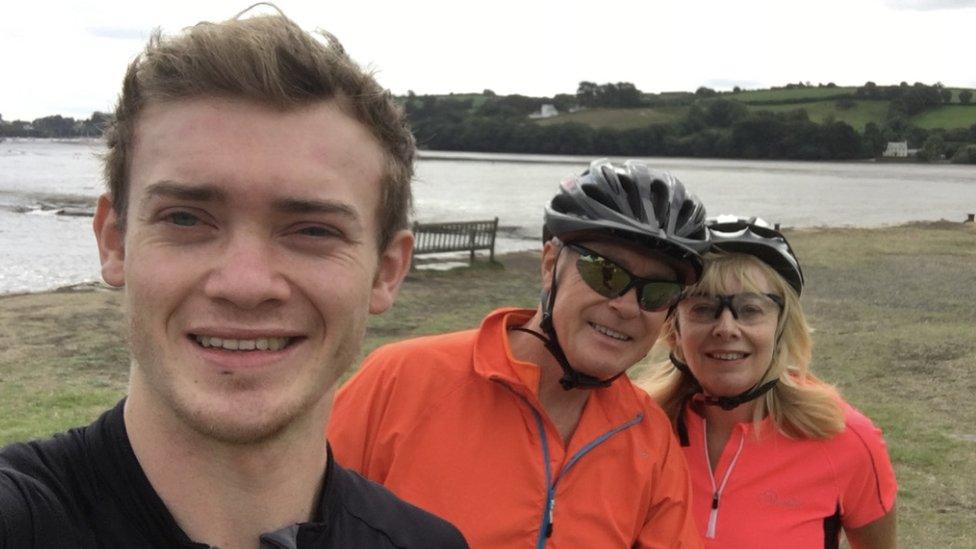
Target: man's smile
259, 344
613, 334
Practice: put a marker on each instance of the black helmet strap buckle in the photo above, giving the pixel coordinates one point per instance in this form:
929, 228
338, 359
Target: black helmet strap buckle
571, 379
724, 402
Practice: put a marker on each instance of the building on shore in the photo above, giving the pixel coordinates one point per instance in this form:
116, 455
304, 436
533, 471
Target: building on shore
548, 110
898, 149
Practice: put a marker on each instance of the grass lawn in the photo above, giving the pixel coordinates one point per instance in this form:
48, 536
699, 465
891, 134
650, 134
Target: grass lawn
948, 117
857, 116
895, 329
794, 94
621, 119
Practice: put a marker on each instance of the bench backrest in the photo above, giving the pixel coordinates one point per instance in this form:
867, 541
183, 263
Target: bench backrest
456, 236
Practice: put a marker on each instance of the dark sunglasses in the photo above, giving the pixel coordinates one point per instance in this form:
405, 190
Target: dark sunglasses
611, 280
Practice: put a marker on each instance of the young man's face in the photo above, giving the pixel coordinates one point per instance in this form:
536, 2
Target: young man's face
250, 260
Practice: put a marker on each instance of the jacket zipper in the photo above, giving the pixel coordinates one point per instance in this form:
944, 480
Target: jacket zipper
717, 492
546, 529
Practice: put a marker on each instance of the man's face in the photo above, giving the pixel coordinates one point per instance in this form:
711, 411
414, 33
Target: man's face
250, 260
602, 336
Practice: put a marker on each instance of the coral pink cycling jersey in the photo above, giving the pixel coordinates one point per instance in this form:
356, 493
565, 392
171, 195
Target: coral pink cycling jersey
772, 490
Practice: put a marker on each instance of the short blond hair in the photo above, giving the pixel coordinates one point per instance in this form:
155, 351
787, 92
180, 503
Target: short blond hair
270, 60
800, 404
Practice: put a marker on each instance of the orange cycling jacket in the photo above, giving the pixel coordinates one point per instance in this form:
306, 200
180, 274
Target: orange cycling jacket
453, 424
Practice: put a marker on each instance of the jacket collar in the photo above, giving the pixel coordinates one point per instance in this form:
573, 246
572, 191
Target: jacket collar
493, 358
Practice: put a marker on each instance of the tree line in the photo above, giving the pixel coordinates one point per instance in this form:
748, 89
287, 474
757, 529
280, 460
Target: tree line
911, 100
703, 133
56, 126
716, 125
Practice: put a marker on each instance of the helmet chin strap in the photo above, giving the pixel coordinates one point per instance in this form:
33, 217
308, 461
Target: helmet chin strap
726, 402
572, 379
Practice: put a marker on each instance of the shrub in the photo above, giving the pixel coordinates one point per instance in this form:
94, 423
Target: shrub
965, 155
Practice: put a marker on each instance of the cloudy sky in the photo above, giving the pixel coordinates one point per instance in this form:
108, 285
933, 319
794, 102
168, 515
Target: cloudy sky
67, 57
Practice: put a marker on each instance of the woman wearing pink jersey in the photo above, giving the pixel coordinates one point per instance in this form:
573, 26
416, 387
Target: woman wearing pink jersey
777, 458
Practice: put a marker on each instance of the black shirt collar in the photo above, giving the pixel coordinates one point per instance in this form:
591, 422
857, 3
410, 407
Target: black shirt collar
124, 478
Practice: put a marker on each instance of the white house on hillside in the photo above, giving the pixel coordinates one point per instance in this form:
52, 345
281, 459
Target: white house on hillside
548, 110
897, 149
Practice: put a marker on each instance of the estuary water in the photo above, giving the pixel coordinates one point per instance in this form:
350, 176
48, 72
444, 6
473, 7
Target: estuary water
40, 249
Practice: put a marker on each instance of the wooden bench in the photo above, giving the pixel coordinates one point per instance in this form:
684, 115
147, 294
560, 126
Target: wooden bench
456, 236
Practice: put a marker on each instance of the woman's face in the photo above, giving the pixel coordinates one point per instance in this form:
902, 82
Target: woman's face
728, 355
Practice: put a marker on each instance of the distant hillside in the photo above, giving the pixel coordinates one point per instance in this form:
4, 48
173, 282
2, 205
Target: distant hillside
858, 112
858, 116
797, 121
948, 117
621, 119
793, 94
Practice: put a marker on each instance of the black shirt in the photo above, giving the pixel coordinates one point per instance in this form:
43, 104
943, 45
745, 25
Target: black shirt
85, 488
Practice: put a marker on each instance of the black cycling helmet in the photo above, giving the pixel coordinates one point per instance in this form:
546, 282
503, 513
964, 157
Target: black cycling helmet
755, 237
632, 203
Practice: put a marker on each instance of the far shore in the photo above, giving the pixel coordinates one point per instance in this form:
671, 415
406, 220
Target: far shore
532, 158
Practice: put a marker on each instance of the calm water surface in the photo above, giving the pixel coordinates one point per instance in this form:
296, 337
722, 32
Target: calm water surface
40, 250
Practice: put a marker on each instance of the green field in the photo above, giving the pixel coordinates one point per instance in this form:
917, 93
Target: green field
476, 99
857, 116
948, 117
797, 94
813, 100
620, 119
892, 310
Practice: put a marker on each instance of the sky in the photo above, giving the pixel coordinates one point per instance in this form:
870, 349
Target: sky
68, 57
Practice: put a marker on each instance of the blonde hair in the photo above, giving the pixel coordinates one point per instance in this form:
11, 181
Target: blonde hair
800, 405
270, 60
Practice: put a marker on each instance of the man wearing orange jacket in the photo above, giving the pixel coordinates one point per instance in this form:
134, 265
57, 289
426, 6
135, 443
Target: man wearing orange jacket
525, 431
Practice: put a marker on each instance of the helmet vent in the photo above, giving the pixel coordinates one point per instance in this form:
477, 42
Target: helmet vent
660, 197
688, 222
610, 176
596, 193
633, 198
563, 204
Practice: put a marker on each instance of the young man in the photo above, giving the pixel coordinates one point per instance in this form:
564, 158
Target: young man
259, 185
525, 431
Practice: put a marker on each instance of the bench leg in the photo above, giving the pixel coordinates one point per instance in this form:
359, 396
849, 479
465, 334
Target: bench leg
471, 245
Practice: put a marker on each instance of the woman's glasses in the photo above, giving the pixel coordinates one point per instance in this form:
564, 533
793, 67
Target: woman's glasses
611, 280
747, 308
